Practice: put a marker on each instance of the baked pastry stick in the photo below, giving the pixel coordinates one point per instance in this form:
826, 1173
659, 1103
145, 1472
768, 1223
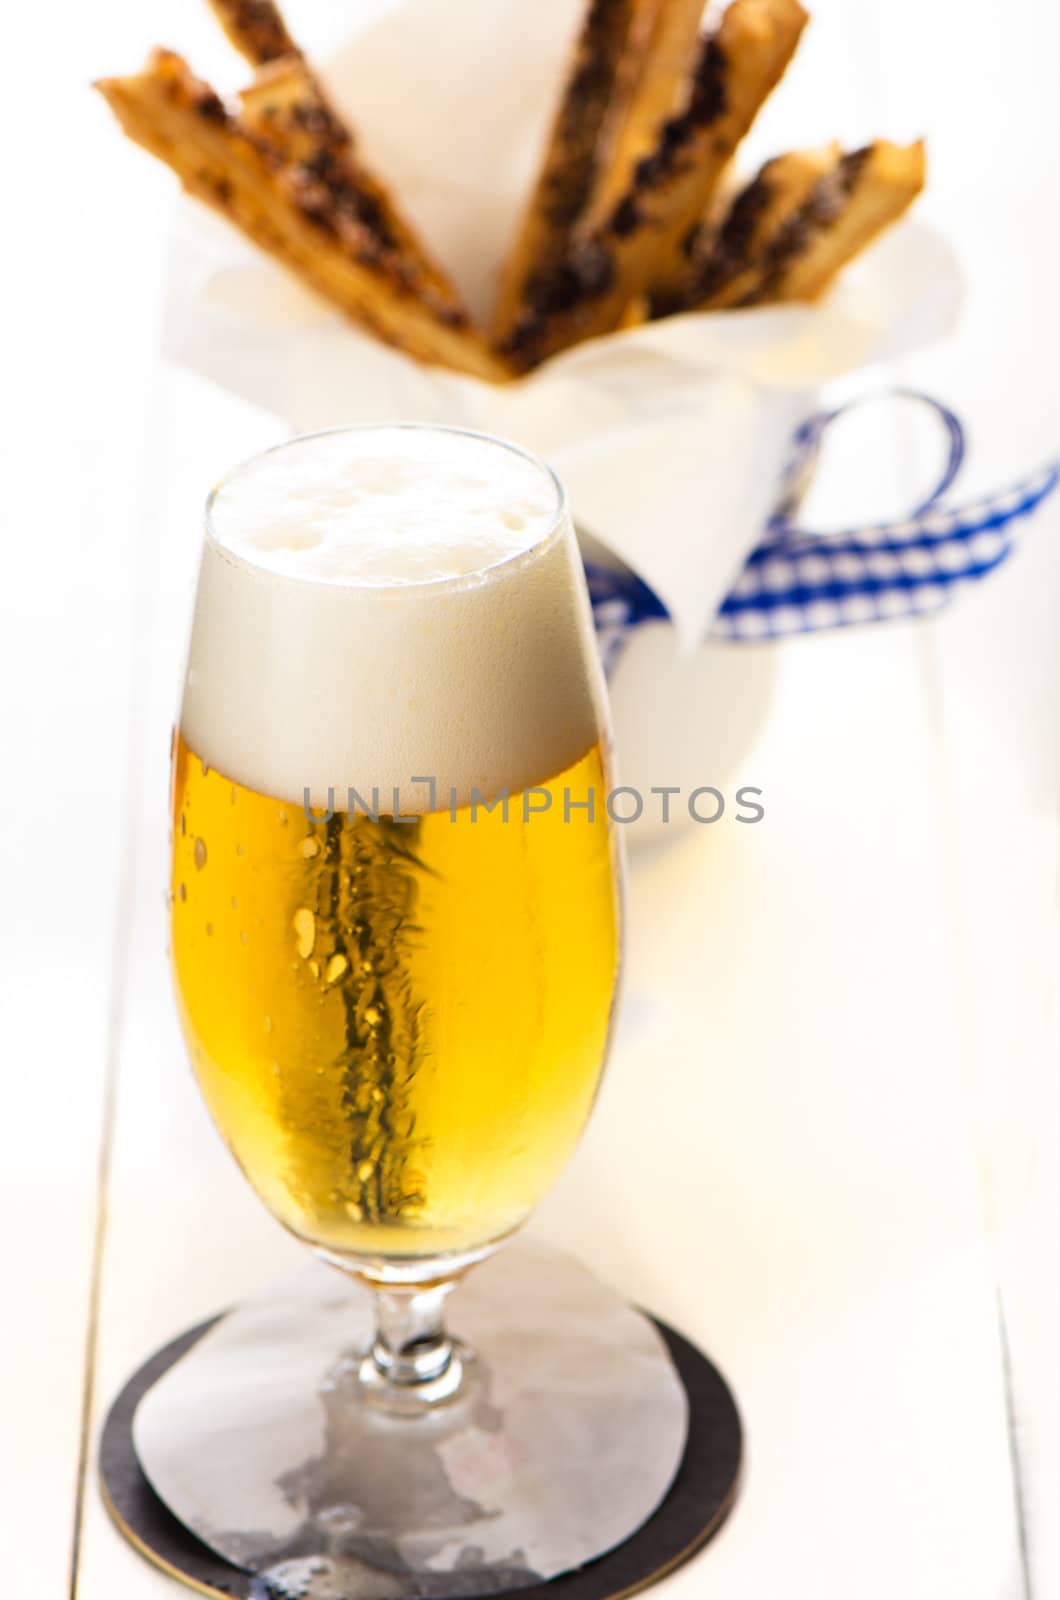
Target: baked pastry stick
256, 28
288, 114
727, 261
565, 177
642, 242
284, 106
180, 119
288, 93
652, 82
866, 191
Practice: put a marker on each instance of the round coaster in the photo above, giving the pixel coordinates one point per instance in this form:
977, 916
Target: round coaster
700, 1498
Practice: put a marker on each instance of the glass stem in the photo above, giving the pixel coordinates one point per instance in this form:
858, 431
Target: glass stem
411, 1345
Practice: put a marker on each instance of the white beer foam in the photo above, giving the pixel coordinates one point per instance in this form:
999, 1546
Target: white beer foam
387, 604
385, 507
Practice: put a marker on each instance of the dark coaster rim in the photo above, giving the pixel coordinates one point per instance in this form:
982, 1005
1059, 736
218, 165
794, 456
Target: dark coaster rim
695, 1507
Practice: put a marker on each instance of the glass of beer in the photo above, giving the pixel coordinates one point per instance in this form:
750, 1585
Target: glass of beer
395, 893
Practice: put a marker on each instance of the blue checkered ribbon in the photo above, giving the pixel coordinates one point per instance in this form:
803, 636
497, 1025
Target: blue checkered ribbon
798, 581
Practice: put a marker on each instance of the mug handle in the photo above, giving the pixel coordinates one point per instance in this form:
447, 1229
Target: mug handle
806, 450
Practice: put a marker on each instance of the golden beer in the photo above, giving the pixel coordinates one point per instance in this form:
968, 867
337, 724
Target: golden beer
398, 1025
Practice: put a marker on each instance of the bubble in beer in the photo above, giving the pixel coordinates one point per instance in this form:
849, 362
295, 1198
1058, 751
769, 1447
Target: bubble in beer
305, 928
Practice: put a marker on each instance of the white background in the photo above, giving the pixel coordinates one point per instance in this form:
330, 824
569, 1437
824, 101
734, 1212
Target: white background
828, 1142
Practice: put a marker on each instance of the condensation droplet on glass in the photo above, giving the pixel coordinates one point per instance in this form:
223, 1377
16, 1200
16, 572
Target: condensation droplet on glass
183, 824
244, 937
365, 1171
305, 931
182, 893
209, 928
268, 1024
235, 794
314, 967
200, 853
283, 819
239, 849
335, 968
310, 848
206, 769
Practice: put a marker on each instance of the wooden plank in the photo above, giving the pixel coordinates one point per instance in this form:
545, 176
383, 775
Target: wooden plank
78, 354
994, 666
782, 1162
999, 663
184, 1235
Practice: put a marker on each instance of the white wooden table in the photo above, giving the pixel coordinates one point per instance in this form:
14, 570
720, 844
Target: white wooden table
829, 1141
